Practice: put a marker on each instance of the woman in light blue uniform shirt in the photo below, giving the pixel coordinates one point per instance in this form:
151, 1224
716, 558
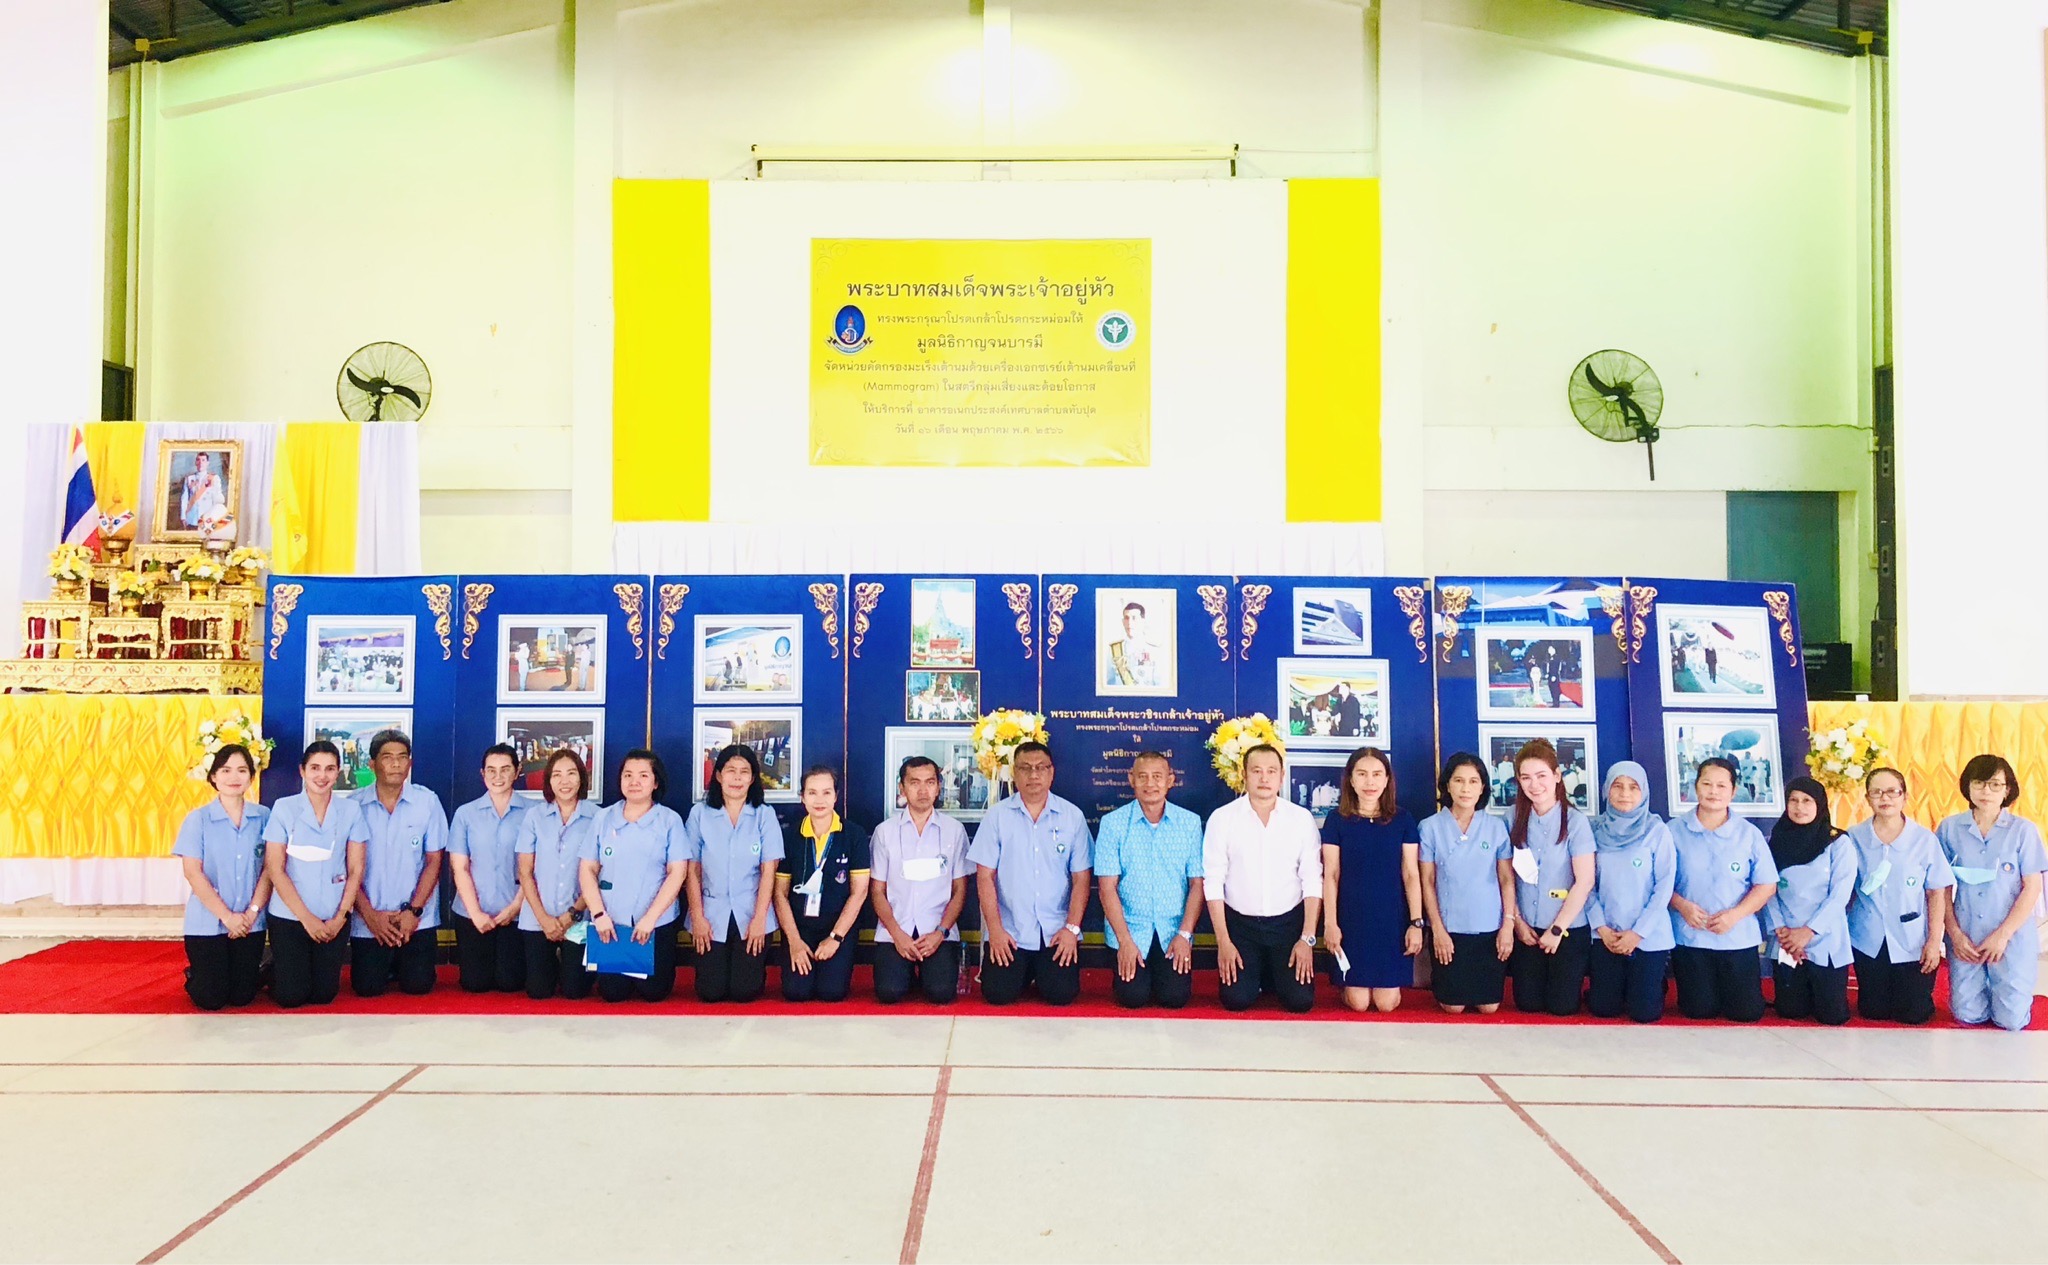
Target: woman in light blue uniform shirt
1808, 915
1997, 859
1635, 868
632, 866
1903, 885
314, 849
483, 836
736, 843
550, 846
1725, 875
1468, 890
221, 845
1553, 865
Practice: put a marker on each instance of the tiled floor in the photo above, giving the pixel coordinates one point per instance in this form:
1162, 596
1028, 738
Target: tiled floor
978, 1138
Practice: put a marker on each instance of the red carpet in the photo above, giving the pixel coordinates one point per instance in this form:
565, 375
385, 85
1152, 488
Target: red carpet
112, 977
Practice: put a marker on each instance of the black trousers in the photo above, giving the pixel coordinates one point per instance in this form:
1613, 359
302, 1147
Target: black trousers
1811, 991
489, 961
1632, 984
1719, 983
1057, 985
938, 976
372, 966
1550, 983
1155, 983
552, 964
223, 971
304, 971
1266, 945
829, 980
660, 982
727, 972
1894, 991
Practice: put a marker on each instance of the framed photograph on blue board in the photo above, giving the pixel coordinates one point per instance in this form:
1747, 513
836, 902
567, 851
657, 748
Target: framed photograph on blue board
1314, 779
775, 735
942, 620
535, 734
941, 697
1136, 643
360, 659
1749, 741
1578, 761
1331, 621
750, 659
964, 791
1525, 673
350, 730
551, 658
1337, 704
1715, 656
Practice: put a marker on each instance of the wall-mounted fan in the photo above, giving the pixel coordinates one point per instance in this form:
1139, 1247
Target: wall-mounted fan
384, 382
1616, 397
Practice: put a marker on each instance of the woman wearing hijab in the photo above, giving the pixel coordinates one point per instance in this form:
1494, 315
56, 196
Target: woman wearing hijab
1809, 913
1635, 867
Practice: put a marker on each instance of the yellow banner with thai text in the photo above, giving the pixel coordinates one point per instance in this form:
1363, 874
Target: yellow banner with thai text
981, 352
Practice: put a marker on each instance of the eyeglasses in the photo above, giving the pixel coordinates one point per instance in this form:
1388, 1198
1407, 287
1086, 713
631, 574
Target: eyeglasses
1889, 792
1999, 785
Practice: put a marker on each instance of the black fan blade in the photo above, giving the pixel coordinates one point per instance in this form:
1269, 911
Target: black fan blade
359, 382
1594, 378
407, 393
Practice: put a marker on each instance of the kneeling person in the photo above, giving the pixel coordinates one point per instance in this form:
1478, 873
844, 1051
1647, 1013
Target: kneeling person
1032, 851
398, 907
1262, 872
919, 881
820, 885
1148, 865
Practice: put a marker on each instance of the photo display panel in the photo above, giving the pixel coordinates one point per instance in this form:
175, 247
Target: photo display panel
1339, 664
1519, 658
345, 657
758, 660
1136, 663
927, 655
546, 664
1716, 669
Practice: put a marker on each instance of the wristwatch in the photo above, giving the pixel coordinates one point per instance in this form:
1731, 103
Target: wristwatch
1188, 936
414, 910
833, 935
602, 913
1310, 941
1554, 930
1418, 923
1076, 930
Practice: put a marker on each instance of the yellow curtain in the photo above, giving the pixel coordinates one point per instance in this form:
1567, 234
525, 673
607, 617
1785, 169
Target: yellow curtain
114, 451
103, 775
1333, 350
314, 498
1930, 743
661, 350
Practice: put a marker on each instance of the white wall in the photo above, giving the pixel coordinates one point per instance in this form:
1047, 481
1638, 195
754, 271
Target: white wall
1558, 180
53, 99
1971, 298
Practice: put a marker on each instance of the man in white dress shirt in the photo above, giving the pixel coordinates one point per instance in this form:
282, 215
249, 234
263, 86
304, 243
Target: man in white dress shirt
1262, 870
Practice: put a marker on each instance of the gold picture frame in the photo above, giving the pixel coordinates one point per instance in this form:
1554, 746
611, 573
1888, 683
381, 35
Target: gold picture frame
172, 506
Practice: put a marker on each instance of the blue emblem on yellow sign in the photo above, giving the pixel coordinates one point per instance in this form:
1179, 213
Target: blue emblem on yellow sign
850, 330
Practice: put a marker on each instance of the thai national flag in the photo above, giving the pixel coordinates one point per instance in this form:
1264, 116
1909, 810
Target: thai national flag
81, 506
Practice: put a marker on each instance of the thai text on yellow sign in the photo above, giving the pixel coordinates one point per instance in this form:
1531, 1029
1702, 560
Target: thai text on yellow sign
981, 353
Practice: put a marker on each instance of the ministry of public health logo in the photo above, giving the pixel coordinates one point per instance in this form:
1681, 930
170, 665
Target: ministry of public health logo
850, 331
1115, 331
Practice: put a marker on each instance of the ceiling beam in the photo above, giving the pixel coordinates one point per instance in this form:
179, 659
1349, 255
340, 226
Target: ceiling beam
224, 13
120, 26
1756, 25
302, 18
1786, 13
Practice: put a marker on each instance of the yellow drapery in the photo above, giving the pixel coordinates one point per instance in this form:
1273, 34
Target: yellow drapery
113, 451
1930, 743
102, 775
321, 465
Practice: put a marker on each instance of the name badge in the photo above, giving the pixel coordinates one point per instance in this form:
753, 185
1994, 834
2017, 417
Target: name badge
812, 903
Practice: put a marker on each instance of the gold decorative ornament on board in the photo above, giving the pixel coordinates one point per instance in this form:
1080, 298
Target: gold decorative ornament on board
670, 599
1059, 600
633, 601
1640, 599
1451, 600
1413, 599
825, 597
476, 598
284, 599
1255, 597
1780, 605
865, 596
441, 601
1019, 595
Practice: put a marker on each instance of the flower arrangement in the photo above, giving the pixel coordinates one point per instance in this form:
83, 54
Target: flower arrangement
246, 561
1236, 736
229, 730
1842, 758
72, 564
997, 735
132, 586
203, 569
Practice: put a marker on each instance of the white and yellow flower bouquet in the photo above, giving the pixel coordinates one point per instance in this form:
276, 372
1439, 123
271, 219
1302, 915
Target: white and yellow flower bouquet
1842, 759
997, 735
230, 730
1236, 736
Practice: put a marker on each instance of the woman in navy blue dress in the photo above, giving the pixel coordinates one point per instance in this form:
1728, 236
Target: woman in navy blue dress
1372, 886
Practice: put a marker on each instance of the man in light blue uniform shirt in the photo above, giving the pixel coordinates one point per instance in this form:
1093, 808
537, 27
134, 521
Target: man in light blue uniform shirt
1725, 875
483, 839
397, 910
1032, 856
1148, 865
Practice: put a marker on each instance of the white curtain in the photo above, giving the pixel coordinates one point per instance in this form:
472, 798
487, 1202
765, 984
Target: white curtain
1312, 549
94, 880
388, 501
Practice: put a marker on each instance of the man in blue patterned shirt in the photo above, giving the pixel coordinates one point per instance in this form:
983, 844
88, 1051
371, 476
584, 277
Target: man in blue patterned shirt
1148, 865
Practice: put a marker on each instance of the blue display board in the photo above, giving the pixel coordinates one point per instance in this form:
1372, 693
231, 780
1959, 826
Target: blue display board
1715, 669
1533, 657
928, 654
1136, 662
1340, 664
548, 663
347, 657
758, 659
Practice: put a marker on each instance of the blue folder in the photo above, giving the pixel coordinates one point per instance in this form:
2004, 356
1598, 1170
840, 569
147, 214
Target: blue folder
622, 956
